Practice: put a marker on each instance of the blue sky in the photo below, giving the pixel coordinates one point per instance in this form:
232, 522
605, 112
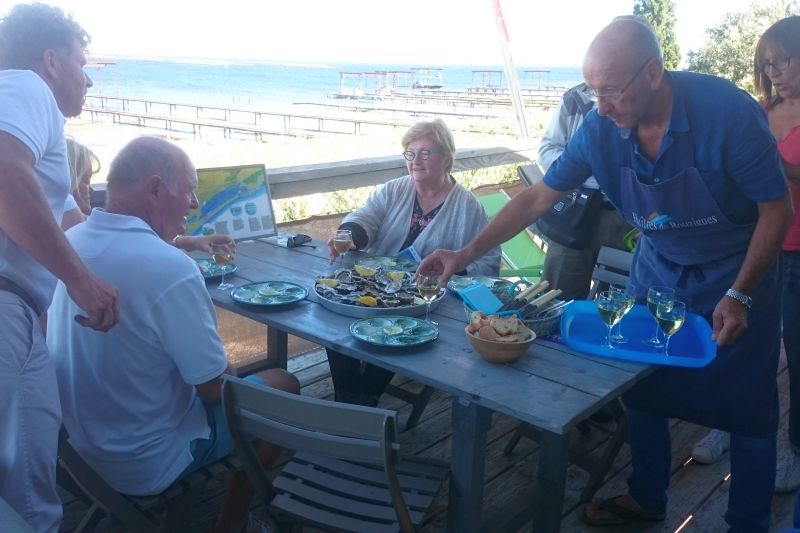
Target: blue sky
372, 31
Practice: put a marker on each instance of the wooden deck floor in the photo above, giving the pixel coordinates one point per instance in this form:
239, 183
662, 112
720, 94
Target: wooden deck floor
698, 494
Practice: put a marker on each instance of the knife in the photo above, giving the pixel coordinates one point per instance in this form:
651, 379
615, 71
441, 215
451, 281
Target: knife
538, 302
521, 298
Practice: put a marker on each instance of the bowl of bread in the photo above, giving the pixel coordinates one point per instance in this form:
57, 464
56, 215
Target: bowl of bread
499, 339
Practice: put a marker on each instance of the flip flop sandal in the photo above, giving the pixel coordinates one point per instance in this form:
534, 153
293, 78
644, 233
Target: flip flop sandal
620, 515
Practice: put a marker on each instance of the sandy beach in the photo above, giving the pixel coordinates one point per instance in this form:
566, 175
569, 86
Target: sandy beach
106, 138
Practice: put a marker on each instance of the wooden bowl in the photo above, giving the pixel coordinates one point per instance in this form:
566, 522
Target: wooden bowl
499, 351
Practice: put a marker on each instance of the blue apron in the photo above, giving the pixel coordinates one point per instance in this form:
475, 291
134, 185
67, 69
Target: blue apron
688, 243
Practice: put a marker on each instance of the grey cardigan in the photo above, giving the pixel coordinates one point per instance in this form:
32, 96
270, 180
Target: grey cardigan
386, 218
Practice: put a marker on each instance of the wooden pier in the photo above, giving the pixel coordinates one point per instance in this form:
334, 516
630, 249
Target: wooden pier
194, 119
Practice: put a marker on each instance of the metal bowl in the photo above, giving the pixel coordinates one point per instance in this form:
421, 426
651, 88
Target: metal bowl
358, 311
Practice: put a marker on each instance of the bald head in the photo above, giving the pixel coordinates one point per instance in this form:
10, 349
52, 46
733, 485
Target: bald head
154, 180
625, 44
144, 157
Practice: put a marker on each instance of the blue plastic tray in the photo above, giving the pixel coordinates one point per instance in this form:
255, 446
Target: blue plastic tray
691, 346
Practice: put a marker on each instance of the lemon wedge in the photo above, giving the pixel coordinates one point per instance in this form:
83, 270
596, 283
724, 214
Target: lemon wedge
328, 282
395, 275
267, 291
364, 270
368, 300
393, 330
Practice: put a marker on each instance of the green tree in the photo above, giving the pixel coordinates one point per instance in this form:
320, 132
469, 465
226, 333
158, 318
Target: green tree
661, 16
730, 46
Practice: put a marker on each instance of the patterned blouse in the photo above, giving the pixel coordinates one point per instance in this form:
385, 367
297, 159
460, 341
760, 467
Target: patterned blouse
419, 222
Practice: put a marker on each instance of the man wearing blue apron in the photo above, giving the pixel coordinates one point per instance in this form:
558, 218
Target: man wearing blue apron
689, 160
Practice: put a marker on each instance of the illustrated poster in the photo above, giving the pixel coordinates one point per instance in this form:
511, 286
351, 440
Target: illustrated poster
233, 201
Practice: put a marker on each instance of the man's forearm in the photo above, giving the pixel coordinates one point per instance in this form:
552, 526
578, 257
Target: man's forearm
765, 245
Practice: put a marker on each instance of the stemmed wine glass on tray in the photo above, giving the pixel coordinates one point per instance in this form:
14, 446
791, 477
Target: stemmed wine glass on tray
627, 298
611, 307
670, 316
655, 296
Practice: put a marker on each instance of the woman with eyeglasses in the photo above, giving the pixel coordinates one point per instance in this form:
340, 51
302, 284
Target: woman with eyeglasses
426, 209
777, 82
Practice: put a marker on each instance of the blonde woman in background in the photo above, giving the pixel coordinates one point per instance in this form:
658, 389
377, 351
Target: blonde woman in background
83, 164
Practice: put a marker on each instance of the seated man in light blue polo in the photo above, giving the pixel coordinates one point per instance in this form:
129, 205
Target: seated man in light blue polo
142, 403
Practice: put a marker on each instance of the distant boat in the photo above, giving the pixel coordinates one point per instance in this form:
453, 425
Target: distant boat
419, 85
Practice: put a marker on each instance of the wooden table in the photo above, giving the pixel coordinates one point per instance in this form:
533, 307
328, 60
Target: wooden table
552, 387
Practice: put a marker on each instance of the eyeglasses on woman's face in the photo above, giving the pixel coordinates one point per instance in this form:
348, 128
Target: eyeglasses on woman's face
423, 154
778, 63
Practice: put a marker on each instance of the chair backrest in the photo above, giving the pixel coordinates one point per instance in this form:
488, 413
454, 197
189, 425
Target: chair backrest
520, 252
330, 429
530, 174
612, 266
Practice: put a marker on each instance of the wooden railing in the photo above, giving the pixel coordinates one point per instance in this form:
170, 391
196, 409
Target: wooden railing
293, 181
289, 182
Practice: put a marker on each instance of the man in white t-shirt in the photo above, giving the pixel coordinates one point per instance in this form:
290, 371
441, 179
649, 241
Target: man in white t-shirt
142, 402
41, 82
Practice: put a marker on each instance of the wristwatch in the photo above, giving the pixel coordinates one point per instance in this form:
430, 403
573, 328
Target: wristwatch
740, 297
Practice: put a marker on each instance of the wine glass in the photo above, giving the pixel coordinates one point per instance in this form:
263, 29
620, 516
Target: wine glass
428, 287
627, 299
656, 295
221, 254
670, 317
342, 240
610, 306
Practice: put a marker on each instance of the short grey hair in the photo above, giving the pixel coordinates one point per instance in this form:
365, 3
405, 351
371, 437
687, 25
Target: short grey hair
438, 131
141, 158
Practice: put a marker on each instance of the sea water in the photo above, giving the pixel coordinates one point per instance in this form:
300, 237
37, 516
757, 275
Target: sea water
265, 85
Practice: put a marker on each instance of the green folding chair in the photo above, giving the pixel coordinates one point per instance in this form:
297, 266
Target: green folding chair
522, 256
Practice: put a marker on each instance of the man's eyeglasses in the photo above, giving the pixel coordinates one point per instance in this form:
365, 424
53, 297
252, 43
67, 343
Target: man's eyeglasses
779, 64
423, 154
613, 95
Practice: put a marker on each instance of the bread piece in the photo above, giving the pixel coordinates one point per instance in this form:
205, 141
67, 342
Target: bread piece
476, 321
488, 333
504, 326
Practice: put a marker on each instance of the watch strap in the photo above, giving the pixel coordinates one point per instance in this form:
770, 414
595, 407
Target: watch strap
740, 297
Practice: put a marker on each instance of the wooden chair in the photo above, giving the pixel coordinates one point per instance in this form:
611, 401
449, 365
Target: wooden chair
612, 266
165, 512
346, 473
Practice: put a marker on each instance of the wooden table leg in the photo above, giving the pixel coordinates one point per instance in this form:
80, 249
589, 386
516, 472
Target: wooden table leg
277, 348
550, 479
467, 459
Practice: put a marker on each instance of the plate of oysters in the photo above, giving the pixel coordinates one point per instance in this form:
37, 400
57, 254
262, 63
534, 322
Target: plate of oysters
367, 291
